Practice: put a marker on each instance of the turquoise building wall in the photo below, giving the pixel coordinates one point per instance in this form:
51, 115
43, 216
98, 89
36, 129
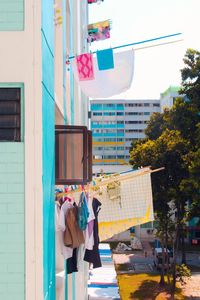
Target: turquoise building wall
11, 15
48, 141
12, 212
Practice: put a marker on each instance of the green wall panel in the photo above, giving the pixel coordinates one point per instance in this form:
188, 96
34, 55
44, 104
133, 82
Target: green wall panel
12, 232
11, 15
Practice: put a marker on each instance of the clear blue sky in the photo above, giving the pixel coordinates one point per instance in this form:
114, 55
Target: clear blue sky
135, 20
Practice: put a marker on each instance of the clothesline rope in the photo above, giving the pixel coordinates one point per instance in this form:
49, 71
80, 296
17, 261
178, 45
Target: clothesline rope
115, 177
140, 42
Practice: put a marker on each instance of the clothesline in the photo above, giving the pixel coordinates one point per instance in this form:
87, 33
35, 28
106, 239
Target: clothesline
140, 42
113, 178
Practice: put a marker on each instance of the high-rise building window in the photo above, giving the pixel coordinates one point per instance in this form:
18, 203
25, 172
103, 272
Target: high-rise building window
109, 156
110, 113
10, 114
109, 105
120, 156
97, 113
120, 113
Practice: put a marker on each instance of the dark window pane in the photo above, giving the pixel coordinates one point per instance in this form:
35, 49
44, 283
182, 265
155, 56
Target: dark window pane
9, 121
9, 94
10, 114
9, 135
9, 107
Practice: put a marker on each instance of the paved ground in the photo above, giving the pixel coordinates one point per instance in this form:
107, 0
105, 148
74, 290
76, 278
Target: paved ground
138, 262
192, 288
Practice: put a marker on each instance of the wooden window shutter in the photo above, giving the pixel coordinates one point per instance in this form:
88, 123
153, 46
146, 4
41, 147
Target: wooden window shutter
73, 155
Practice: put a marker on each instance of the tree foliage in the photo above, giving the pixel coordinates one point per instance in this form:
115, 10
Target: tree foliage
173, 142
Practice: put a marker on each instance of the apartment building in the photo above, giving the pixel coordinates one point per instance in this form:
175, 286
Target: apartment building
115, 124
168, 97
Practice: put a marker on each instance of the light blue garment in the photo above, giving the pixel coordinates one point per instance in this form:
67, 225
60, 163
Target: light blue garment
105, 59
83, 212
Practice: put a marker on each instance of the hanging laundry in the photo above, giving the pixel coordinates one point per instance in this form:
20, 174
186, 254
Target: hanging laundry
92, 256
83, 212
71, 263
134, 208
100, 25
84, 63
99, 31
105, 59
73, 235
89, 234
110, 82
60, 213
94, 1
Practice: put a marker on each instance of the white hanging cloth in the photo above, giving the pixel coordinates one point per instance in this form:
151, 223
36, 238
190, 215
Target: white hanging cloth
110, 82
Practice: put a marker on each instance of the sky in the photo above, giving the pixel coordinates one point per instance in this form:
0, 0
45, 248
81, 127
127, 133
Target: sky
155, 68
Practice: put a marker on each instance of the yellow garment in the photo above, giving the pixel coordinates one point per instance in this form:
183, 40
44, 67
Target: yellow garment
108, 229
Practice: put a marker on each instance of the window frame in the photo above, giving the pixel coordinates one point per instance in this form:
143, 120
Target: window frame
20, 86
86, 159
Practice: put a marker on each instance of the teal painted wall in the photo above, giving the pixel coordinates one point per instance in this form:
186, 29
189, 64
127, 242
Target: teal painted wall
48, 141
12, 212
12, 239
11, 15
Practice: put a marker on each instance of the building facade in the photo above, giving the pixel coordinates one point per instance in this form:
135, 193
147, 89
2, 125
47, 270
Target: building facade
115, 124
168, 97
37, 92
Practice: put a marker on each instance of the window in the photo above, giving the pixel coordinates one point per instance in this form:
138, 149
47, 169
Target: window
120, 113
109, 131
120, 106
146, 104
96, 106
97, 114
134, 130
134, 122
110, 148
109, 139
109, 105
109, 157
146, 113
156, 104
10, 114
98, 148
120, 156
109, 113
73, 154
98, 139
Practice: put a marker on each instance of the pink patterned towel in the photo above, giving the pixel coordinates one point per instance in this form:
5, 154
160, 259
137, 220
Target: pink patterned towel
85, 68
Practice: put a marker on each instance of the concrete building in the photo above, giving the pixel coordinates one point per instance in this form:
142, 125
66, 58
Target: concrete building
115, 123
36, 92
168, 97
